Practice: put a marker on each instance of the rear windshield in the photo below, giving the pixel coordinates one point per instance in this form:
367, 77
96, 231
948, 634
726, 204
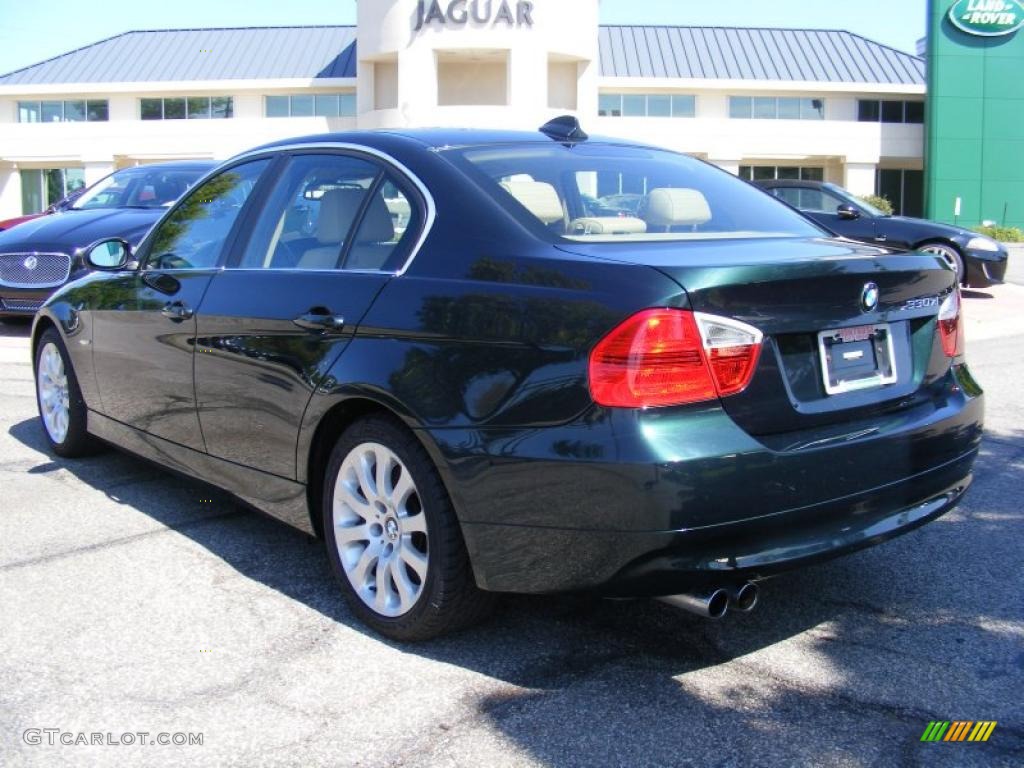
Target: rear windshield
602, 192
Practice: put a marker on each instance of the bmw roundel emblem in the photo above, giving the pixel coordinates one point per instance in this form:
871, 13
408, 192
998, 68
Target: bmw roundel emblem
869, 297
30, 263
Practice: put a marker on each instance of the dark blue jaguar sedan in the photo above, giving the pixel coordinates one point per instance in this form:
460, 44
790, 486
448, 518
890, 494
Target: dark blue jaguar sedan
425, 348
39, 256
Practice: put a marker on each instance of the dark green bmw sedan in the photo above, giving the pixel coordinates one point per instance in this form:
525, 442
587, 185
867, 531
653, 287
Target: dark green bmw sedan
448, 355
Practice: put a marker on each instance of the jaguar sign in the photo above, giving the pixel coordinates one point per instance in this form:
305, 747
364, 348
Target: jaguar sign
459, 13
988, 18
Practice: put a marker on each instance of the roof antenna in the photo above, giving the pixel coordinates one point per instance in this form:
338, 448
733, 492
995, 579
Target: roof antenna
565, 129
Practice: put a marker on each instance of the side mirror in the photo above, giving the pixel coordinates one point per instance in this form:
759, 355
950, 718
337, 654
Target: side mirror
847, 212
108, 255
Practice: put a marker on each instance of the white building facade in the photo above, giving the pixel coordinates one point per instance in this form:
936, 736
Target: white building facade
761, 103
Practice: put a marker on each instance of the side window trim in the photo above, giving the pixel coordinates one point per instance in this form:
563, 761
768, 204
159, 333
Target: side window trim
145, 248
407, 183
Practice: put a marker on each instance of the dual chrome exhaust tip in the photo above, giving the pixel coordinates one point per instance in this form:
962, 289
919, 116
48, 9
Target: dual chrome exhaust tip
713, 603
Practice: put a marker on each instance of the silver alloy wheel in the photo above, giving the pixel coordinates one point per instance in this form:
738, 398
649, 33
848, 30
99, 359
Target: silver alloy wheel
52, 383
948, 255
380, 529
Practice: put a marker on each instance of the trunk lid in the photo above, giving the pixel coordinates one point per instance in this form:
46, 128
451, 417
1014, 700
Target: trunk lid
793, 290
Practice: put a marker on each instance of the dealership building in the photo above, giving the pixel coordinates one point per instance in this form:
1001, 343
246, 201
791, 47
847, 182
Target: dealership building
762, 103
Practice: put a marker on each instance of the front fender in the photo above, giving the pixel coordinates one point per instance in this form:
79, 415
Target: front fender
67, 311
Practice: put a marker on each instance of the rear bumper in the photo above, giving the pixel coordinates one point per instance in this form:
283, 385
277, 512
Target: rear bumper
636, 503
661, 563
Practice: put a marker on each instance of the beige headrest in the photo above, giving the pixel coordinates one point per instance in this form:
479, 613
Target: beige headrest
676, 206
608, 225
538, 197
338, 208
399, 208
377, 226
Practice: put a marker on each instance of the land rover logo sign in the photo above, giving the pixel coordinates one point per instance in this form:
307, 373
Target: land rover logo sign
459, 13
988, 18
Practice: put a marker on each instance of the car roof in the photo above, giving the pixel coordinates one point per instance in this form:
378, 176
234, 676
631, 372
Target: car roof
184, 165
437, 138
768, 183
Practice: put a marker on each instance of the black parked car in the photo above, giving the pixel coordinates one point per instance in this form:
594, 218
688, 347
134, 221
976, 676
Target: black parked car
39, 255
979, 261
401, 342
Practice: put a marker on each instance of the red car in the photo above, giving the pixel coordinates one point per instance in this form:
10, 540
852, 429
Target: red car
8, 223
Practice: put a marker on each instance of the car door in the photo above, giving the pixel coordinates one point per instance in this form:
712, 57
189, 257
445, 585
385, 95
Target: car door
144, 323
333, 230
822, 206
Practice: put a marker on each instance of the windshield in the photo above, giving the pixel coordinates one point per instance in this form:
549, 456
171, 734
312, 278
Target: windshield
602, 192
855, 201
138, 188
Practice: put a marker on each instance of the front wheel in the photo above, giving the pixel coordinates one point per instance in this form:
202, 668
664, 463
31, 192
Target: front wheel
61, 407
948, 254
392, 536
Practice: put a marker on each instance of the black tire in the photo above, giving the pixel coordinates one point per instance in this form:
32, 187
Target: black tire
77, 442
449, 600
951, 255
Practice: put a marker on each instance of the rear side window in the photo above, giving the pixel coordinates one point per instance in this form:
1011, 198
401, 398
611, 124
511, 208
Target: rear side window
331, 212
600, 192
390, 222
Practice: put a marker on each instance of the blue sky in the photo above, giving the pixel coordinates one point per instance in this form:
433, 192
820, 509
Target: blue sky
31, 32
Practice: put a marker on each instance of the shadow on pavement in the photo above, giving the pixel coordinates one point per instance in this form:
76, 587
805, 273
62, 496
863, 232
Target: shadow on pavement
846, 662
16, 328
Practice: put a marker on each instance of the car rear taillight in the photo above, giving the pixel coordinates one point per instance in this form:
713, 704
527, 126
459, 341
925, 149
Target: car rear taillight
671, 357
951, 325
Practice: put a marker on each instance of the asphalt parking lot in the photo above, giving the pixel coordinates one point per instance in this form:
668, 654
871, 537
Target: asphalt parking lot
134, 601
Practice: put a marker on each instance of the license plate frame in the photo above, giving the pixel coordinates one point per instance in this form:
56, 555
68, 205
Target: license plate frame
859, 341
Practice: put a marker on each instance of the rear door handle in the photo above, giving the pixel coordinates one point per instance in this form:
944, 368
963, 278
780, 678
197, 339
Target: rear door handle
320, 320
177, 311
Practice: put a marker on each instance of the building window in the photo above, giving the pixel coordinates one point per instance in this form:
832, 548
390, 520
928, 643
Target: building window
775, 108
772, 172
886, 111
174, 109
42, 187
903, 188
646, 105
305, 105
70, 111
187, 108
97, 111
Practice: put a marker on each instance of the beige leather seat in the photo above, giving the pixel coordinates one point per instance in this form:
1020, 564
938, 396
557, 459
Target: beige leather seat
338, 209
667, 207
607, 225
375, 238
538, 197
